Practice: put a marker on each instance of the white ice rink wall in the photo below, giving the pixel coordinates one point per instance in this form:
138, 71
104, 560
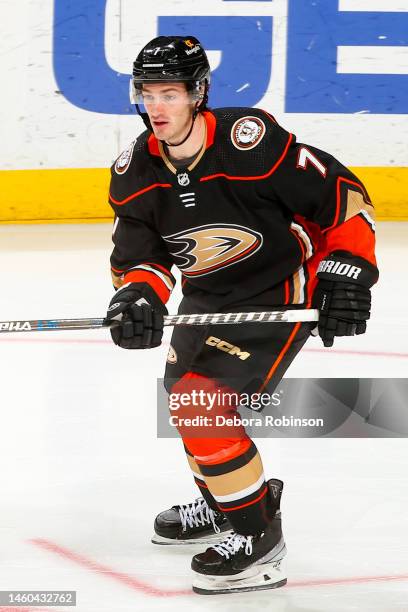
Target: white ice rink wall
334, 72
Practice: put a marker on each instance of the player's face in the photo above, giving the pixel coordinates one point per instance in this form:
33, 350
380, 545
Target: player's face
170, 108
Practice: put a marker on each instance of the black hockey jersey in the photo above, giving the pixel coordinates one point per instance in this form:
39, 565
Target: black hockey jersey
247, 222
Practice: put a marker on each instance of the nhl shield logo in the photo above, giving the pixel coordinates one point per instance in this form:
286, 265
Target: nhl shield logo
183, 179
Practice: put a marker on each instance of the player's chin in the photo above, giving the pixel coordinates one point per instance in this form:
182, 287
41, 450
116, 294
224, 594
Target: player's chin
161, 131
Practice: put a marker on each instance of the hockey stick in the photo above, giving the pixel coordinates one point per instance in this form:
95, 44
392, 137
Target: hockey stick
229, 318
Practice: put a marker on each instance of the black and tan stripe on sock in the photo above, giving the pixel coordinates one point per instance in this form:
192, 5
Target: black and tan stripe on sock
236, 481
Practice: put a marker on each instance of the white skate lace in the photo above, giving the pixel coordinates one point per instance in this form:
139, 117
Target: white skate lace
196, 514
233, 543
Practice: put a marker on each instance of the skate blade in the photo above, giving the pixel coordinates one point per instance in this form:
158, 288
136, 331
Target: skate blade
210, 539
256, 578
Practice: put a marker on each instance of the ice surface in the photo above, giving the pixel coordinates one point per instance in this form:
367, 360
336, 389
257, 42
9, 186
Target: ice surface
83, 474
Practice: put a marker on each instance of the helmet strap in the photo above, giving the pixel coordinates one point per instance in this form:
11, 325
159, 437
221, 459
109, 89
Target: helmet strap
145, 118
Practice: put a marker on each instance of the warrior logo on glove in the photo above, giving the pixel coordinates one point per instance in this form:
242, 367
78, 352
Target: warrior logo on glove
343, 295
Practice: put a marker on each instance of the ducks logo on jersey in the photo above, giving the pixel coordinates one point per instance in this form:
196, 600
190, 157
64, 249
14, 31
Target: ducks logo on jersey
207, 248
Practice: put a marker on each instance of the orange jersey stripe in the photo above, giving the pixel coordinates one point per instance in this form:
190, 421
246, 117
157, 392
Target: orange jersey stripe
271, 117
356, 236
117, 271
162, 268
280, 356
252, 178
286, 291
341, 180
138, 193
142, 276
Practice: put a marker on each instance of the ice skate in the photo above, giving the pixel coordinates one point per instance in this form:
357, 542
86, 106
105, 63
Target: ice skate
194, 523
243, 563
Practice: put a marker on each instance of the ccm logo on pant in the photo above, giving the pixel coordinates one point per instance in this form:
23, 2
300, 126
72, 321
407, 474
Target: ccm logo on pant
336, 267
225, 346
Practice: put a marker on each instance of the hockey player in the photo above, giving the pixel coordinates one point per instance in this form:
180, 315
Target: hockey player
254, 221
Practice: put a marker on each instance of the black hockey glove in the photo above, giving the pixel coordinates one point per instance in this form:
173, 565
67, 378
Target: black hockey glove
343, 295
137, 316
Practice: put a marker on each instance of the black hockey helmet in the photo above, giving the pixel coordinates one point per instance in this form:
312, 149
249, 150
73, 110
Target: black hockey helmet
172, 59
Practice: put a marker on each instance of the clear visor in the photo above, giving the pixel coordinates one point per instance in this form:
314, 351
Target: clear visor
163, 93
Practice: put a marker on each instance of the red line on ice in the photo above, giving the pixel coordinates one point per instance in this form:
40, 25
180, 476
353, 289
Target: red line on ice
340, 581
350, 352
104, 570
147, 589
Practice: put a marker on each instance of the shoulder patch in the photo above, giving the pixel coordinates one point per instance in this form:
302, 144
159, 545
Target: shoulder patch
247, 132
124, 159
